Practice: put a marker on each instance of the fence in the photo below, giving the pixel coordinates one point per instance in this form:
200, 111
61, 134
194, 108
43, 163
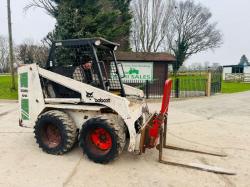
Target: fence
181, 87
215, 80
237, 77
152, 89
185, 84
5, 74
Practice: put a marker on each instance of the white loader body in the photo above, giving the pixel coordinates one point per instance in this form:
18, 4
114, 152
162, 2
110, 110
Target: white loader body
33, 101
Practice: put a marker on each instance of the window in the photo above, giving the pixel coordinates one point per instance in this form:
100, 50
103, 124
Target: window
237, 69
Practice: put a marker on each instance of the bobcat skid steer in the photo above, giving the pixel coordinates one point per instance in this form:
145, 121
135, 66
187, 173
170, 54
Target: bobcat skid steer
101, 113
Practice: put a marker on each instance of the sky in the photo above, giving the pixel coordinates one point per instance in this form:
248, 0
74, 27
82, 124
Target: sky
34, 24
233, 18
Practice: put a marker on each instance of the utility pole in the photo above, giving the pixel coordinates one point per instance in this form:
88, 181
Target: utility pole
11, 56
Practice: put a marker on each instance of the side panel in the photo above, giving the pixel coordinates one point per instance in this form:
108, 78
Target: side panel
30, 95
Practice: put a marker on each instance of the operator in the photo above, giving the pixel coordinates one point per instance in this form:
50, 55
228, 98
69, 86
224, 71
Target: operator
83, 73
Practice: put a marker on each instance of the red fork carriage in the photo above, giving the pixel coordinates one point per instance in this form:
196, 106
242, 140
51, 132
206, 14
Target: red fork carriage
155, 132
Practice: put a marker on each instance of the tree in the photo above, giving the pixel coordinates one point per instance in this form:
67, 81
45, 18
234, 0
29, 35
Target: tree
49, 6
110, 19
4, 55
190, 31
215, 65
150, 20
183, 69
244, 61
28, 53
196, 66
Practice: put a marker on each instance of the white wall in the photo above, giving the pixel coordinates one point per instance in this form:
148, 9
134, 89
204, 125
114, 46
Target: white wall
247, 69
226, 70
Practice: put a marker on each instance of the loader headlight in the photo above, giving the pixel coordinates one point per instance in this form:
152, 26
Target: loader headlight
98, 42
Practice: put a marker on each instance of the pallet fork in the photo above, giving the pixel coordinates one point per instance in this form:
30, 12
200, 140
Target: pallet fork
156, 128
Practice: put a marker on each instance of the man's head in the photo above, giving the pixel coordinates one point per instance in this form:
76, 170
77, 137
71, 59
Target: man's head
86, 62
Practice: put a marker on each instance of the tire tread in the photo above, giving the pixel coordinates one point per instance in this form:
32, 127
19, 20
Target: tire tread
69, 127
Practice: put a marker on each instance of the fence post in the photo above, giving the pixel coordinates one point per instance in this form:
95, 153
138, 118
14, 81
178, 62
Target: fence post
177, 87
221, 79
147, 89
209, 82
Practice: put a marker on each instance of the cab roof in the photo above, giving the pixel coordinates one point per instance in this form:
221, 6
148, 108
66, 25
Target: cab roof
84, 41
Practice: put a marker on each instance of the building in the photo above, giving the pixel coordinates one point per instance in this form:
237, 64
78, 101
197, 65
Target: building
235, 69
139, 66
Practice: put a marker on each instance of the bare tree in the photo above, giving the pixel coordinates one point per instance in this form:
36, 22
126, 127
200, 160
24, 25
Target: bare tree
150, 20
48, 40
195, 66
215, 65
190, 31
28, 52
48, 5
4, 55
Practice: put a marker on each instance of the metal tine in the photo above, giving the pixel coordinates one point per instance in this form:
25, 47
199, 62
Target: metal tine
186, 149
194, 151
196, 166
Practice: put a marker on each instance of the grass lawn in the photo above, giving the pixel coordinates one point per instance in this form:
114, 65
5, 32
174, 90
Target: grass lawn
233, 87
198, 83
5, 91
191, 83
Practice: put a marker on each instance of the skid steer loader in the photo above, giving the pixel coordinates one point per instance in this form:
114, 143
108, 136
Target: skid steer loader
101, 113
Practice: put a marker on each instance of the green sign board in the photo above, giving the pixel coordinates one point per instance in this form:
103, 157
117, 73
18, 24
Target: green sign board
138, 71
24, 80
23, 94
25, 109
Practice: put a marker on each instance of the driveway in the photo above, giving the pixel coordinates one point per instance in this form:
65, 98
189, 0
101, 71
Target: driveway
220, 122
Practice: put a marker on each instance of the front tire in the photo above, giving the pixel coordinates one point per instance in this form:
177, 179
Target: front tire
55, 132
102, 139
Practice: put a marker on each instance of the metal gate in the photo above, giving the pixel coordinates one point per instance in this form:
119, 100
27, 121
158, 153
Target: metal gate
216, 80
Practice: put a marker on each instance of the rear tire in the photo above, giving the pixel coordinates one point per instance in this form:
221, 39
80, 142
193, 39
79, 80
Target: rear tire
55, 132
102, 139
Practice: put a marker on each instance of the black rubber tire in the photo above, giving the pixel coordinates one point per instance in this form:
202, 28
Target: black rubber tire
118, 136
66, 127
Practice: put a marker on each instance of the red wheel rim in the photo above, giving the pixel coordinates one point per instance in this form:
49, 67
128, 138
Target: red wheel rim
51, 136
101, 139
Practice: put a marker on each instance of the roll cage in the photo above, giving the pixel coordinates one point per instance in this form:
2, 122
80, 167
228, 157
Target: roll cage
66, 55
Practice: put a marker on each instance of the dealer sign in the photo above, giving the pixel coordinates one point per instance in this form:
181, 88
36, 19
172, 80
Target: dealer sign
138, 71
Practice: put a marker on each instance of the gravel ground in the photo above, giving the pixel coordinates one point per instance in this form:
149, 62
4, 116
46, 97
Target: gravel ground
220, 122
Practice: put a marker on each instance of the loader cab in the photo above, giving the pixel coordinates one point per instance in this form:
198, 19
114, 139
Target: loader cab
67, 55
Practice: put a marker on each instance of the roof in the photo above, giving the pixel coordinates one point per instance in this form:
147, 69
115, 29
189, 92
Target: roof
84, 41
229, 66
142, 56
